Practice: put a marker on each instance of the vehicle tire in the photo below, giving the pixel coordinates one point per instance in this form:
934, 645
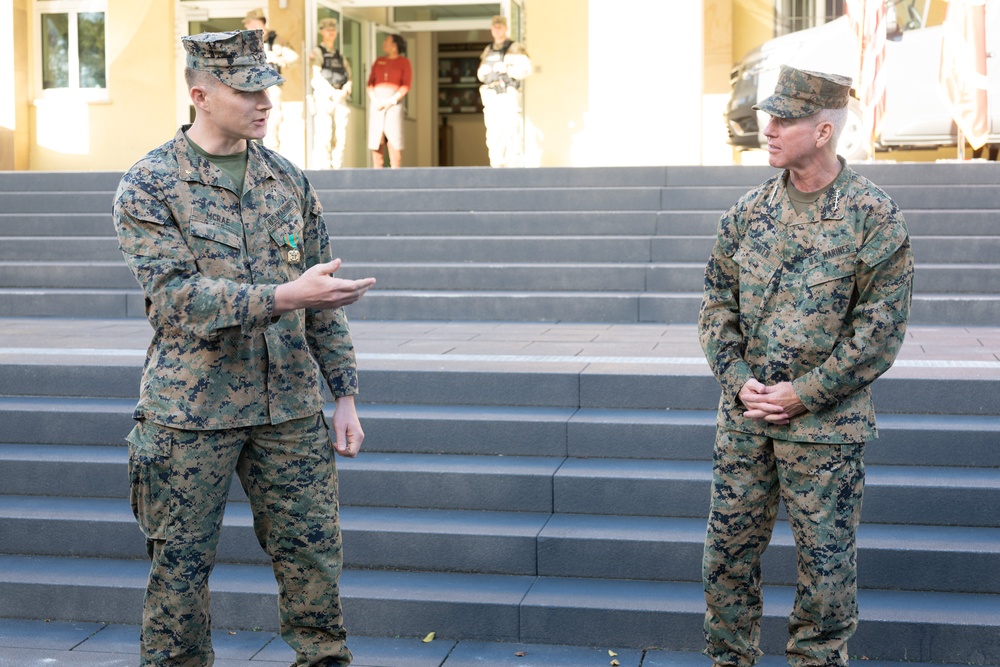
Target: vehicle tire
854, 145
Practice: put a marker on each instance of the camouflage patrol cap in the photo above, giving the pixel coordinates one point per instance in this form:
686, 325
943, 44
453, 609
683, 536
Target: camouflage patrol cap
800, 93
327, 23
236, 58
498, 20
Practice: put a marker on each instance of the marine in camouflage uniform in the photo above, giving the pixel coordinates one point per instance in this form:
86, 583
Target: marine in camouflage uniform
807, 295
228, 243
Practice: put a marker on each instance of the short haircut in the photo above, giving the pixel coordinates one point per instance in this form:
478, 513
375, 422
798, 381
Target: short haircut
837, 118
196, 77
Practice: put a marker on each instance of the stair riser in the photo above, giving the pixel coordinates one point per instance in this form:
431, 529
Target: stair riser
510, 490
58, 276
363, 548
674, 560
889, 176
561, 437
113, 390
571, 278
503, 199
951, 223
883, 502
649, 559
41, 225
613, 198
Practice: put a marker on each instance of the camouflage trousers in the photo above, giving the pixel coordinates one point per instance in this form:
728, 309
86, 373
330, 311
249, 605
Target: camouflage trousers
821, 486
179, 484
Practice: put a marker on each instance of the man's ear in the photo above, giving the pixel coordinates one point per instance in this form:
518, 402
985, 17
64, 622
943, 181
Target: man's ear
198, 96
824, 133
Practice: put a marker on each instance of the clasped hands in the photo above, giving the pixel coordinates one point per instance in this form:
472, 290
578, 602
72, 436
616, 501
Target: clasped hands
383, 103
319, 289
774, 404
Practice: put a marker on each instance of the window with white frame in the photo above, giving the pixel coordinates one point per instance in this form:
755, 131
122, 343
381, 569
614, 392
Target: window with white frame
71, 46
794, 15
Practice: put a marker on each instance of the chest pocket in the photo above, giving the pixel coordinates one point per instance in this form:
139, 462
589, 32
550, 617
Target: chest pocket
215, 232
826, 289
757, 269
217, 249
832, 269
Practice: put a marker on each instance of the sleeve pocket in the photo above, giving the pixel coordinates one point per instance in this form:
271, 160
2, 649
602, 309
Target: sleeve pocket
142, 206
883, 244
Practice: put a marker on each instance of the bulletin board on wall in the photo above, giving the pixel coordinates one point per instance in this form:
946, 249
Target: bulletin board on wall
458, 87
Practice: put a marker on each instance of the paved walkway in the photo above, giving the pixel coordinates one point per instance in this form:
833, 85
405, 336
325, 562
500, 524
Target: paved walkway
929, 351
64, 644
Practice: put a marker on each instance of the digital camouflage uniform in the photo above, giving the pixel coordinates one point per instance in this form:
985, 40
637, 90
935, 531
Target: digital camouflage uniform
227, 386
820, 300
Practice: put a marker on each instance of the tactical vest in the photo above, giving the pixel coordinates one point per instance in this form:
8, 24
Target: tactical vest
497, 80
269, 38
333, 68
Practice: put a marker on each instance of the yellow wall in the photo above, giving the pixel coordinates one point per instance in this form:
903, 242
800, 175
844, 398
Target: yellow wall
556, 95
13, 85
753, 24
140, 113
604, 91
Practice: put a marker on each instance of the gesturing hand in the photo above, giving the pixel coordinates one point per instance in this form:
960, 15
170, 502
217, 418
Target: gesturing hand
318, 288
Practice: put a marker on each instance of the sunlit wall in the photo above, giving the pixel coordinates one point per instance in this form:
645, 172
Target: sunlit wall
139, 112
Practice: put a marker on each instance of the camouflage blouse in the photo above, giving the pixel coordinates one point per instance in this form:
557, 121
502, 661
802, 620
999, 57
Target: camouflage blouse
820, 300
208, 261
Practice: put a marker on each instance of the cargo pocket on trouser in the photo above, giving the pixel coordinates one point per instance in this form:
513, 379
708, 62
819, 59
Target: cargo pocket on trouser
149, 449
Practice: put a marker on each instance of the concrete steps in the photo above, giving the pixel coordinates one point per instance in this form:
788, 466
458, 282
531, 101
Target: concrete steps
520, 504
498, 498
926, 626
599, 245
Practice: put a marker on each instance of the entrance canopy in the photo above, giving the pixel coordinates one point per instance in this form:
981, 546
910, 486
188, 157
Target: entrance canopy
423, 16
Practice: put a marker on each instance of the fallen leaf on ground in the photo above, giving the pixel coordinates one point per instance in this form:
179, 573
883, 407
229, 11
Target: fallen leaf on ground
429, 638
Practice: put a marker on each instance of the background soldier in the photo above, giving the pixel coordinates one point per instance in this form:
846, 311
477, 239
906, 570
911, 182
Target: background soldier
279, 55
228, 243
807, 294
503, 65
331, 84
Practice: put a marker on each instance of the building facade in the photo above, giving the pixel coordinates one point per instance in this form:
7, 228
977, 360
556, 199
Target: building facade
94, 84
